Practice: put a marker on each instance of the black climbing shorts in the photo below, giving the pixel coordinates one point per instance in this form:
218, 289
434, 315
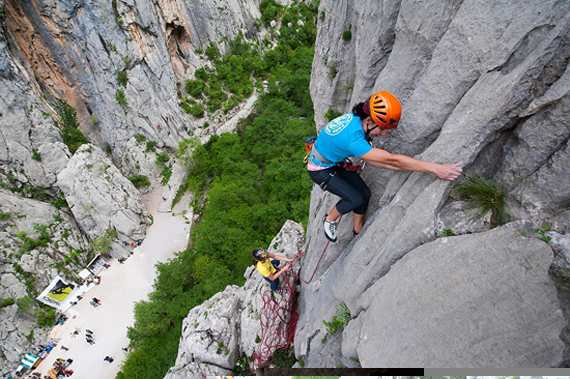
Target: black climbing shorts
348, 185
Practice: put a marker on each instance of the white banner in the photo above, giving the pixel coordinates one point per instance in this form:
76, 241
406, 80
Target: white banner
58, 291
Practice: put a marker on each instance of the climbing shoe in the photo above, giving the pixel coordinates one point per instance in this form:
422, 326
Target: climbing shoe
330, 230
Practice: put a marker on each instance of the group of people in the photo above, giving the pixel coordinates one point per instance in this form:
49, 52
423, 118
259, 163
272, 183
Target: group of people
89, 337
350, 135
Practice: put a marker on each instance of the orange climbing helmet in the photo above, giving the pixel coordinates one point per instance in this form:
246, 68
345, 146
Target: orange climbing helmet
384, 108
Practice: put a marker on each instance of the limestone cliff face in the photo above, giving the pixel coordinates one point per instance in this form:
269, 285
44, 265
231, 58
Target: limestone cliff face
75, 50
483, 83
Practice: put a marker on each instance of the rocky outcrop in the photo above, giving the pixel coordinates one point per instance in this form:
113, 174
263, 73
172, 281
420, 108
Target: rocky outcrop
16, 332
101, 198
37, 241
31, 149
495, 98
225, 327
88, 53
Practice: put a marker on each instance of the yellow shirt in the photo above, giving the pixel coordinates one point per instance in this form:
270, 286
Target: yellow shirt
266, 268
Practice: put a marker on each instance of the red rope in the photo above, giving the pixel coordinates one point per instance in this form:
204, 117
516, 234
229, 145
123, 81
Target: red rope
319, 262
278, 316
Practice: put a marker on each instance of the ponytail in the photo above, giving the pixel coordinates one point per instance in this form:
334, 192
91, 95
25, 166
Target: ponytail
359, 111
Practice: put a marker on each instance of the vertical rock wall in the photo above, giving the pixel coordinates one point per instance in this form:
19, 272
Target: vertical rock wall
483, 83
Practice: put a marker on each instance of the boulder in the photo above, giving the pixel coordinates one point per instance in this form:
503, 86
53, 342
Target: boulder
490, 290
102, 199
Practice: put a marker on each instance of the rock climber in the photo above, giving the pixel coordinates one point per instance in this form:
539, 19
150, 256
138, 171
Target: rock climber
270, 268
348, 136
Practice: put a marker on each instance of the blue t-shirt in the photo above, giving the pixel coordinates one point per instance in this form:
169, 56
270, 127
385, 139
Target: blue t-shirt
343, 137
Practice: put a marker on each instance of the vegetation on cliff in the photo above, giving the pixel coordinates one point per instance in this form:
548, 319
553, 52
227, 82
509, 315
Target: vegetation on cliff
247, 185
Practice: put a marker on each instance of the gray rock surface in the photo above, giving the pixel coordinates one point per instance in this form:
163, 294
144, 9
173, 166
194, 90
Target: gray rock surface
486, 83
495, 98
153, 43
25, 269
493, 285
225, 327
101, 198
15, 330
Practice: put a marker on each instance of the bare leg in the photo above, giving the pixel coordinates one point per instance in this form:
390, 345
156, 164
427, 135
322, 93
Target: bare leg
333, 214
358, 222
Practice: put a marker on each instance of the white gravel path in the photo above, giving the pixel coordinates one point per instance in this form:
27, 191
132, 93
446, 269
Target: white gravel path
121, 286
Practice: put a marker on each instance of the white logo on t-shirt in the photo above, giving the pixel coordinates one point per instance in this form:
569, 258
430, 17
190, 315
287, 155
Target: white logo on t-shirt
338, 124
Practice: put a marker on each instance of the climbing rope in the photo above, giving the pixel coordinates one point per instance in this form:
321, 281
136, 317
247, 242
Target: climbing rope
278, 316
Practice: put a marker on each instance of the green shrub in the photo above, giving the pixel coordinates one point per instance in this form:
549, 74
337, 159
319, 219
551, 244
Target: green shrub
59, 202
540, 233
194, 87
139, 181
483, 196
73, 138
201, 74
67, 115
340, 320
347, 35
270, 10
46, 316
102, 244
193, 108
122, 78
447, 233
36, 155
28, 243
162, 158
68, 124
121, 97
94, 120
24, 304
6, 302
331, 114
151, 145
140, 137
166, 173
5, 216
212, 51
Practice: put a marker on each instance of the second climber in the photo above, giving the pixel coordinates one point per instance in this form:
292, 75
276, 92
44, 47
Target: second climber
267, 264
